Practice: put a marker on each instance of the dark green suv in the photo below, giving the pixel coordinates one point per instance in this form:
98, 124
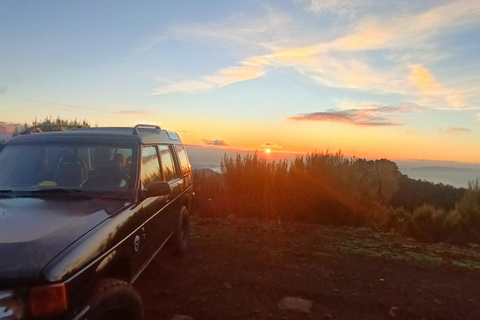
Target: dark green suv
82, 213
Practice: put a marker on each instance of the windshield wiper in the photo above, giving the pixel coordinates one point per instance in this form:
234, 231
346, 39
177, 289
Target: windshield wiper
56, 192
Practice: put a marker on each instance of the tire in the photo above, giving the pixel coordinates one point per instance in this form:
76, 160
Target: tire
115, 299
181, 233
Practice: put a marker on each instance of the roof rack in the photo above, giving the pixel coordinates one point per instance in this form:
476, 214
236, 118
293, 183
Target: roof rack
156, 128
40, 126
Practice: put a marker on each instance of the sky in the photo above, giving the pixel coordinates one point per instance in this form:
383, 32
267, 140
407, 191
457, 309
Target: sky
392, 79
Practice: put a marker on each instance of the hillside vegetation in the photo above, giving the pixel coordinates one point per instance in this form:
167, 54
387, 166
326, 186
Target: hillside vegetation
52, 124
333, 189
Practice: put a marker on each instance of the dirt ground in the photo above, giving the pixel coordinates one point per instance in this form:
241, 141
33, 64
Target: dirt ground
242, 269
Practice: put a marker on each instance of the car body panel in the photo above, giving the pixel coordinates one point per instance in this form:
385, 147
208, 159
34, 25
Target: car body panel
30, 239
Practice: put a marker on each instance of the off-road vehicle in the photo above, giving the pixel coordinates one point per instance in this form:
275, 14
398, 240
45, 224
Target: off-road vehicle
82, 213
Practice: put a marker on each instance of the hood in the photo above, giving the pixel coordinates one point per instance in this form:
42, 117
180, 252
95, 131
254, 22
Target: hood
34, 231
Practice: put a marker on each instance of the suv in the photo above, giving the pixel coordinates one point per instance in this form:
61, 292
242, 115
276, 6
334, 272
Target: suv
82, 213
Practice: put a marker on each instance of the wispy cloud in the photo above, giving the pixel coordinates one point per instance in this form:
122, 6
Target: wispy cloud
266, 31
454, 130
216, 142
270, 145
335, 6
3, 90
341, 62
62, 105
152, 42
373, 116
247, 70
428, 86
131, 112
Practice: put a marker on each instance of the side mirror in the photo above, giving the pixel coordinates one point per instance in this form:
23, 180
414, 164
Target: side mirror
158, 188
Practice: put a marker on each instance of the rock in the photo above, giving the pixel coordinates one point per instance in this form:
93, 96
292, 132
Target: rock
181, 317
393, 313
295, 304
327, 316
227, 286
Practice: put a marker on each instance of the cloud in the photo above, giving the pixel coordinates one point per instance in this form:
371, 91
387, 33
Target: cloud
454, 130
262, 32
428, 86
62, 105
131, 112
248, 70
215, 142
404, 45
270, 145
7, 127
373, 116
3, 90
335, 6
370, 34
152, 42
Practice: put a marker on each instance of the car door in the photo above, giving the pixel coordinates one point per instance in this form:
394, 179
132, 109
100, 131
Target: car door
155, 231
172, 175
184, 165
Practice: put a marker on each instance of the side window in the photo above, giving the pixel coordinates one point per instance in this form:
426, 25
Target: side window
184, 164
168, 166
150, 166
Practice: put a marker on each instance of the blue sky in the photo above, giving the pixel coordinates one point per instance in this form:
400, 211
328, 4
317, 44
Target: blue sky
378, 79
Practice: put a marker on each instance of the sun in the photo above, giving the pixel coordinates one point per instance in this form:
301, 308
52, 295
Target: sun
267, 151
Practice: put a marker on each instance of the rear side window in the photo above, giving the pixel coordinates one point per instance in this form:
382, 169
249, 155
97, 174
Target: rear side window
168, 166
184, 164
150, 166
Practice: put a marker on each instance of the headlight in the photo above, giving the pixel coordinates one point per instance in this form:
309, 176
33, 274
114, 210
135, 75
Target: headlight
11, 306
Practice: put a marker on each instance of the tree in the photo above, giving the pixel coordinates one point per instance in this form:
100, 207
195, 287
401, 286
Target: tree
60, 124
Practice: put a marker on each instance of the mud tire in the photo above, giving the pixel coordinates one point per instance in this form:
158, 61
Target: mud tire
115, 299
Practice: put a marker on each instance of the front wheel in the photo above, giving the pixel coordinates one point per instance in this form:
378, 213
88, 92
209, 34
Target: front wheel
115, 299
181, 233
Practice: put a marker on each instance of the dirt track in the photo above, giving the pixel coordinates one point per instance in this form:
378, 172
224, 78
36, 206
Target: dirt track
241, 269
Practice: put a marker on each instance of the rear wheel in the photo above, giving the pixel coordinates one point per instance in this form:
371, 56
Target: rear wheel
115, 299
182, 233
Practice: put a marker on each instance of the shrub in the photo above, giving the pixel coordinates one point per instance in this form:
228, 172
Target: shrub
320, 187
332, 189
460, 225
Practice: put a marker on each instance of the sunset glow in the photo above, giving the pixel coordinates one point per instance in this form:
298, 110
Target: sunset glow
394, 79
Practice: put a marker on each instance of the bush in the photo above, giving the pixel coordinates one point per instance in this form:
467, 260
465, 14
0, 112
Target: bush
321, 187
460, 225
332, 189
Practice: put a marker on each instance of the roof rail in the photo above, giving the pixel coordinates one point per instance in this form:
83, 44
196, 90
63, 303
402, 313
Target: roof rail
156, 128
40, 126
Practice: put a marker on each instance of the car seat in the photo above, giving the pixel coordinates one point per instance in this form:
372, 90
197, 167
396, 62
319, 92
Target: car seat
71, 172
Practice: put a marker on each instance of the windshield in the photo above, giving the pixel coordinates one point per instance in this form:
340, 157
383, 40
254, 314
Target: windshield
95, 169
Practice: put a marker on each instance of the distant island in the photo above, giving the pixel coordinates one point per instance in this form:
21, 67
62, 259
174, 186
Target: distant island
443, 168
